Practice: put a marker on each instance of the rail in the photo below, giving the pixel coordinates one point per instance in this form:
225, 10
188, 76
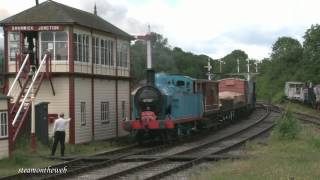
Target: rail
18, 75
86, 165
29, 89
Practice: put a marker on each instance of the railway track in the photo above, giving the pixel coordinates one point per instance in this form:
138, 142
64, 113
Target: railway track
157, 164
306, 118
185, 174
120, 162
77, 163
147, 165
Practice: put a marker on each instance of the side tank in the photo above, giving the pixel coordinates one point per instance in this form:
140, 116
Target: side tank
179, 99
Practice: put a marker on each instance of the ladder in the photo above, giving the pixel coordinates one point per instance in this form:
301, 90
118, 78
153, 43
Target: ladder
30, 80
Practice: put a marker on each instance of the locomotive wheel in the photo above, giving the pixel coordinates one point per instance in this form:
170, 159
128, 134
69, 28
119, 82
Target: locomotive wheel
143, 137
140, 137
163, 137
171, 135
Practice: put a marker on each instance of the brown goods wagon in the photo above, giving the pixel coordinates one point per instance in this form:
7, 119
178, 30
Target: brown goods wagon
209, 90
233, 89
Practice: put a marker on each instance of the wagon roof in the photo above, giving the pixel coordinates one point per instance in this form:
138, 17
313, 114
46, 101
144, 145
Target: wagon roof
206, 81
238, 79
295, 82
51, 12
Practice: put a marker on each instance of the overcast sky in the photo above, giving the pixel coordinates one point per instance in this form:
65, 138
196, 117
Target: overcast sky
211, 27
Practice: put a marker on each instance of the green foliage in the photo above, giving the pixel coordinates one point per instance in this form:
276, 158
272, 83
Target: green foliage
189, 64
290, 61
311, 44
270, 159
175, 60
287, 50
231, 61
162, 58
282, 66
287, 126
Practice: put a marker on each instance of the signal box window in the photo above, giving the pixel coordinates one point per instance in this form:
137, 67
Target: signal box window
81, 47
56, 43
3, 125
123, 109
105, 112
14, 45
83, 116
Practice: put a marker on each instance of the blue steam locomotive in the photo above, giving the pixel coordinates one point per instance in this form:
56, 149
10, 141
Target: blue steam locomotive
172, 105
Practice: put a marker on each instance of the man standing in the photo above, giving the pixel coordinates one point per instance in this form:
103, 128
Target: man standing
59, 129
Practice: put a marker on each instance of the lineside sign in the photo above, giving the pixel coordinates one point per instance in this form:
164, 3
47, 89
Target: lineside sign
35, 28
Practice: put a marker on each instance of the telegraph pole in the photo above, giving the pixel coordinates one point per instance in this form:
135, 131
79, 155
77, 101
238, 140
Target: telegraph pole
238, 66
256, 63
209, 67
221, 62
33, 122
248, 68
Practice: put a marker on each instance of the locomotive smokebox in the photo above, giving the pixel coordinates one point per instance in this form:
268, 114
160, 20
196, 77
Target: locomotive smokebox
150, 77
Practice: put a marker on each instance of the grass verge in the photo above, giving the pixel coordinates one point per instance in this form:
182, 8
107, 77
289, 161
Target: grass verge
279, 159
297, 107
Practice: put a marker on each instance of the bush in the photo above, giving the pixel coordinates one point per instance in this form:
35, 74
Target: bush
287, 126
279, 97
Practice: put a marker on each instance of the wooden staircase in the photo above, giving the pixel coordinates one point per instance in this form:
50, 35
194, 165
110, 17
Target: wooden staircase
30, 80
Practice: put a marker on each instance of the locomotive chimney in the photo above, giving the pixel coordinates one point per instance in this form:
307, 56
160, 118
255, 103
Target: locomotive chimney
37, 2
150, 77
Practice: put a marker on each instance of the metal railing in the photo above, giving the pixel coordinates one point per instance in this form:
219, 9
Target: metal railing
29, 89
18, 75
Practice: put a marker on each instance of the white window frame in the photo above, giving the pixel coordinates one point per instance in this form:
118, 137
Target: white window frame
110, 61
84, 46
103, 57
54, 47
96, 49
123, 109
9, 45
83, 114
122, 60
3, 124
105, 112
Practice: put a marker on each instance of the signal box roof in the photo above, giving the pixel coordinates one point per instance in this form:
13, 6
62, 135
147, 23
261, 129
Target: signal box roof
51, 12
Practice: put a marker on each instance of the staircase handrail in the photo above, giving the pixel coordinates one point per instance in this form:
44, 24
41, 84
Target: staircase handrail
18, 75
29, 89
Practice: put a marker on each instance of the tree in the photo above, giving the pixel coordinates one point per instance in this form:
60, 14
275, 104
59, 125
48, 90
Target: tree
310, 69
287, 49
282, 66
311, 44
230, 60
162, 59
139, 60
165, 59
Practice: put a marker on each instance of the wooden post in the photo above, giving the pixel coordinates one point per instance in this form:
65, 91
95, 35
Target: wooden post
33, 124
